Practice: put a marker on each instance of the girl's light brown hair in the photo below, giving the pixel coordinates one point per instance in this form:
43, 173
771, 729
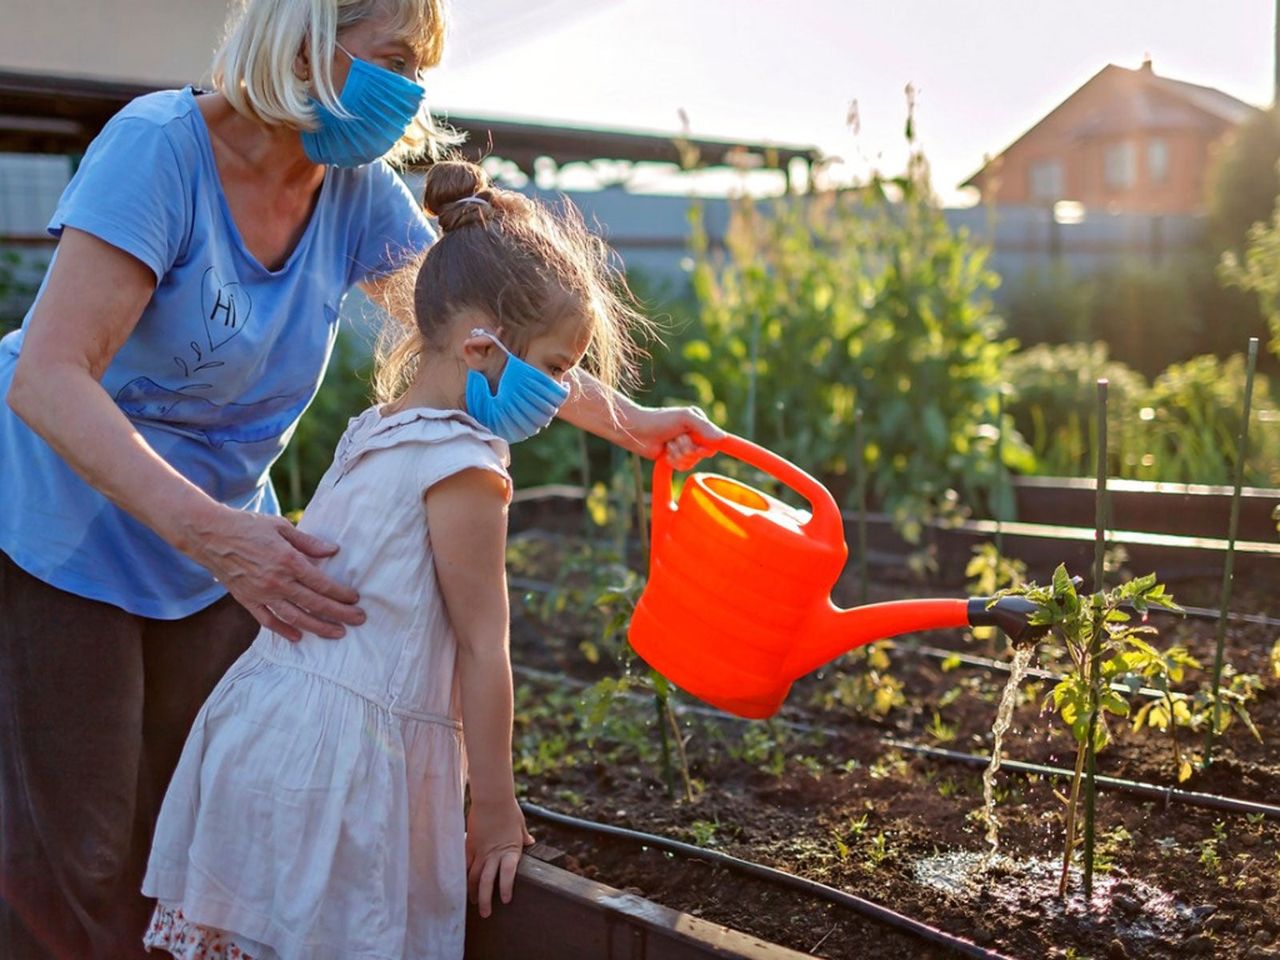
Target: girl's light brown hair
525, 265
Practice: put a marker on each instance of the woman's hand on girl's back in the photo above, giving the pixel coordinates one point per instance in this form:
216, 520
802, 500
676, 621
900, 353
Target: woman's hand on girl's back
268, 565
496, 838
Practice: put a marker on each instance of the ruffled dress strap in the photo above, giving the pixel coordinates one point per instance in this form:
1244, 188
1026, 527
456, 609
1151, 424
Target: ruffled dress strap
451, 440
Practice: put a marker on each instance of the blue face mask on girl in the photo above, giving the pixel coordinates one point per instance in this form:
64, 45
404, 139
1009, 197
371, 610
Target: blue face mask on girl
382, 104
526, 399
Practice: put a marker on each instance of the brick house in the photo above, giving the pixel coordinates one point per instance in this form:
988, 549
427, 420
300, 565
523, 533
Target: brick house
1128, 141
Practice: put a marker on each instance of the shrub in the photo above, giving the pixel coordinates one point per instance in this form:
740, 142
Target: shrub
1258, 273
1055, 402
1243, 181
1181, 428
1188, 426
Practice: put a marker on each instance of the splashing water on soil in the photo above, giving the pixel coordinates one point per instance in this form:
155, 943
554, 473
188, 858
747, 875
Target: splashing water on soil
1121, 906
1004, 716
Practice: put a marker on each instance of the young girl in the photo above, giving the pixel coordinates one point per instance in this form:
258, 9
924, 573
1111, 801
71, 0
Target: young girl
317, 810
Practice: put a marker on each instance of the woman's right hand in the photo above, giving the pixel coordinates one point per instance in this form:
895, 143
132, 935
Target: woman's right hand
269, 566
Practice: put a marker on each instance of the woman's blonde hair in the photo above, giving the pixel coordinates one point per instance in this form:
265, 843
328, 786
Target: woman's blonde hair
519, 262
255, 66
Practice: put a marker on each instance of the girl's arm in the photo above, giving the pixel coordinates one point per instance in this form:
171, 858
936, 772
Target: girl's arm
92, 301
467, 520
680, 432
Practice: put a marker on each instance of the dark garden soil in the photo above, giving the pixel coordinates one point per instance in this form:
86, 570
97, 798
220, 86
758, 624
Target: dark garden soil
902, 830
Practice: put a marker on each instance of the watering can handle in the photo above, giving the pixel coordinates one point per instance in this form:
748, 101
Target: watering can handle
825, 523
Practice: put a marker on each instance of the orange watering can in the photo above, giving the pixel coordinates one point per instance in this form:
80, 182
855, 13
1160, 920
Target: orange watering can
738, 602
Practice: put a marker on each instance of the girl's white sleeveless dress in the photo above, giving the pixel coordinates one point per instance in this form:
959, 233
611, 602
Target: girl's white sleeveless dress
316, 813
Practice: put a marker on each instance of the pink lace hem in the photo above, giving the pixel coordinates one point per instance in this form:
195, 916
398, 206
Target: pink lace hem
170, 930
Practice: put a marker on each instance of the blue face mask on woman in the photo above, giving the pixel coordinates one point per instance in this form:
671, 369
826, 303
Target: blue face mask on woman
526, 399
382, 104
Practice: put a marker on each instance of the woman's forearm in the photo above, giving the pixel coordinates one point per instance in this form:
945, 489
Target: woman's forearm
485, 687
263, 562
71, 412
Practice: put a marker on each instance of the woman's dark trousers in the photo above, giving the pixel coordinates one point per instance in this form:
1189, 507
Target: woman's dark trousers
95, 704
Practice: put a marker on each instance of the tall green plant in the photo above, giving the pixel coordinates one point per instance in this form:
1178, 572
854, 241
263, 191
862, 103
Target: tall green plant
866, 298
1104, 644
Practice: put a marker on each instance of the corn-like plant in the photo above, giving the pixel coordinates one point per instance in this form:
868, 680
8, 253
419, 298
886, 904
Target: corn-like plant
856, 298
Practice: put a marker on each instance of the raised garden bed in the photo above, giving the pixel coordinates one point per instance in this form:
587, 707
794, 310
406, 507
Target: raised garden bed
824, 793
559, 915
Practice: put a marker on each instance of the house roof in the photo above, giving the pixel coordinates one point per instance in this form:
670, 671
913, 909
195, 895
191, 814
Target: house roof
1145, 101
1209, 99
46, 114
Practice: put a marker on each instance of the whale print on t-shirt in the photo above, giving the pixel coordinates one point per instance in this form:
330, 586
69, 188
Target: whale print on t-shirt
144, 399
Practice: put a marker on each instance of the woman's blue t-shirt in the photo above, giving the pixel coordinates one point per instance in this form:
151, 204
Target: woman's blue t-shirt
223, 361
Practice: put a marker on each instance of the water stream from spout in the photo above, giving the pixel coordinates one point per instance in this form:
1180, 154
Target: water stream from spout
1004, 716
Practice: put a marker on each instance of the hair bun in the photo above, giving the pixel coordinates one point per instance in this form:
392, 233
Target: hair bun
457, 194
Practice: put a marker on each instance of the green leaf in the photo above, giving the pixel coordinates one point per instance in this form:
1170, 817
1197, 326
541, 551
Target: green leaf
1062, 585
1141, 716
1112, 702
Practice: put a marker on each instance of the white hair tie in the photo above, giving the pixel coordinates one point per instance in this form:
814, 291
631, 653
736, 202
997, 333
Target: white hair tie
480, 200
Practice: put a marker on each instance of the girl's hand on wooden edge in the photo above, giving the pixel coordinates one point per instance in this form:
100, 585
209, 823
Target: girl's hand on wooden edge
496, 838
269, 566
682, 434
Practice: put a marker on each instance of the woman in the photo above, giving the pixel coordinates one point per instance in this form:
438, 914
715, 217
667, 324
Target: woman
204, 247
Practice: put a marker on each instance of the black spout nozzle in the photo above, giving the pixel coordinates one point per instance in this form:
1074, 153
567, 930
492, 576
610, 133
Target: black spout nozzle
1010, 614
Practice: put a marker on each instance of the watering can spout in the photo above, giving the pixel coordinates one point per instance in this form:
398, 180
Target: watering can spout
835, 631
1010, 614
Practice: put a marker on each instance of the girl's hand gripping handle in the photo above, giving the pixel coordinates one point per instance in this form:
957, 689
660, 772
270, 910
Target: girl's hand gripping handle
825, 524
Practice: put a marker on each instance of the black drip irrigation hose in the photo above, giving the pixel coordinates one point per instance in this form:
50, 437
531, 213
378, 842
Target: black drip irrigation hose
850, 901
1201, 613
1151, 790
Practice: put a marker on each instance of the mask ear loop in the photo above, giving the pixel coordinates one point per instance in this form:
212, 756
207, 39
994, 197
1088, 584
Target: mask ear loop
479, 332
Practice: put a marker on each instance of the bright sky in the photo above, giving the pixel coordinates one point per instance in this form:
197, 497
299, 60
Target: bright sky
786, 70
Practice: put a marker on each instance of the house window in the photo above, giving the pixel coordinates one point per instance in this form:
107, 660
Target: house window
1046, 180
1158, 160
1120, 165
